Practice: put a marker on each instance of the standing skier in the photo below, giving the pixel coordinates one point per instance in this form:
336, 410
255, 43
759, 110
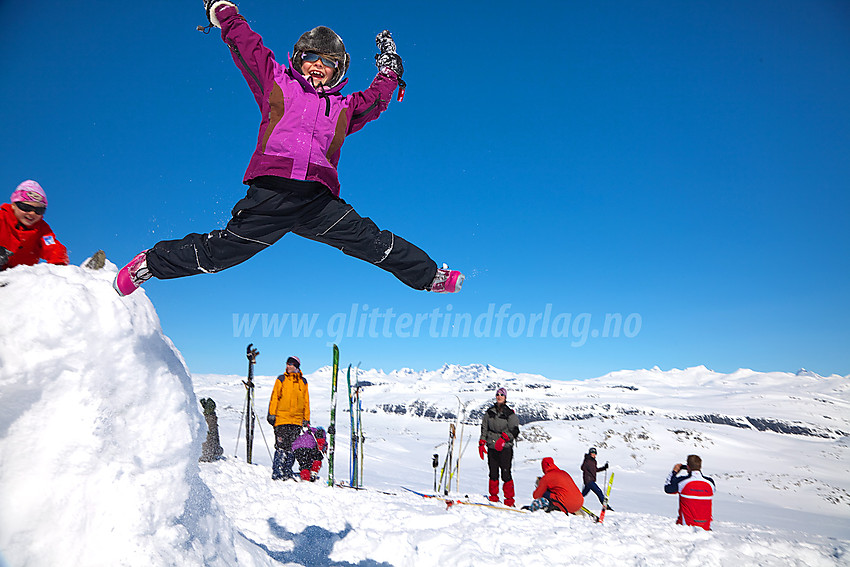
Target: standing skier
695, 493
289, 410
24, 236
499, 430
292, 176
589, 470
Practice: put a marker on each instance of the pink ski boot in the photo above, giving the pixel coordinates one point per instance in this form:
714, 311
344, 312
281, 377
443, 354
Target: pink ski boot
446, 280
131, 276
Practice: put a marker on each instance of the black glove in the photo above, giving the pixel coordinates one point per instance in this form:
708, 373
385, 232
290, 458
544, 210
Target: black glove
271, 419
211, 5
5, 254
331, 430
390, 61
388, 57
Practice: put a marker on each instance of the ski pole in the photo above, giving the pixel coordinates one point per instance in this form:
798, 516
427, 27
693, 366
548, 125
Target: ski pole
435, 463
266, 443
239, 429
332, 426
252, 354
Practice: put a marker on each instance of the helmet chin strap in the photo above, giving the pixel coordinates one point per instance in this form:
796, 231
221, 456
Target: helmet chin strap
312, 80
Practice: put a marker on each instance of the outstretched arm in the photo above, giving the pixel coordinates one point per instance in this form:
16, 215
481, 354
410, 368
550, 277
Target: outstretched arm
369, 104
671, 486
254, 60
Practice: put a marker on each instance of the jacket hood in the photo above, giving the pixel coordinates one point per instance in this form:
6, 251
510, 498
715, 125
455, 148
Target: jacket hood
294, 375
506, 410
548, 464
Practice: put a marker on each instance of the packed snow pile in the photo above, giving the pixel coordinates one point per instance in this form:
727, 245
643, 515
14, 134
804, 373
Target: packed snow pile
99, 430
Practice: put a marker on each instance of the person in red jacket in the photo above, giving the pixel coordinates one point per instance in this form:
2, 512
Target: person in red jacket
695, 493
24, 236
556, 490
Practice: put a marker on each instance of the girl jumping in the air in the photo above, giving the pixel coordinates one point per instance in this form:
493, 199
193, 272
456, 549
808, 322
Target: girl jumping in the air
292, 176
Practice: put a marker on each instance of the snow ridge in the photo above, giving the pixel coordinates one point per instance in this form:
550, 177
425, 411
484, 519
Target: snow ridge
98, 430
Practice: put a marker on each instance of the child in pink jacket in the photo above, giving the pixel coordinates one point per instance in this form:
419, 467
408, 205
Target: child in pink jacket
292, 176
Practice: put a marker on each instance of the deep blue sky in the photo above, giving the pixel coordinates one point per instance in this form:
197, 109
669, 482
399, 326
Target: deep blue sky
683, 164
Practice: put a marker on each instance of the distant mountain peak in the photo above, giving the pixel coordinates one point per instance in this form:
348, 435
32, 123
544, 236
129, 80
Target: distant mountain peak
804, 372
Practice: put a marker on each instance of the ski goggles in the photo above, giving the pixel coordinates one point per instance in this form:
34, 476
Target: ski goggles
313, 57
30, 208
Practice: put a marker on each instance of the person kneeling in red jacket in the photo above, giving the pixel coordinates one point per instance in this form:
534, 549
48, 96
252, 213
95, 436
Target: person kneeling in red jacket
556, 490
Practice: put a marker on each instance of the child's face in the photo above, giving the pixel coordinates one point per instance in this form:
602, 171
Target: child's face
316, 72
27, 218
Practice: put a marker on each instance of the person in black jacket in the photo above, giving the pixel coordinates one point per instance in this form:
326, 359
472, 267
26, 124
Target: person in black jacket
499, 431
589, 470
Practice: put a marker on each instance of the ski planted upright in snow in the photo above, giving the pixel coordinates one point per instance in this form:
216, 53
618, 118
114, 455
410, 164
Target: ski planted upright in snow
352, 467
445, 473
360, 436
607, 495
252, 354
332, 427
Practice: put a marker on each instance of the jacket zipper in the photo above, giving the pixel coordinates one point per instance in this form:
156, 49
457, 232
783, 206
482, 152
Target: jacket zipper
245, 65
323, 94
365, 112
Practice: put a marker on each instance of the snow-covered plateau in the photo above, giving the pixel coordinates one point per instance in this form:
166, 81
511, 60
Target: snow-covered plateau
101, 431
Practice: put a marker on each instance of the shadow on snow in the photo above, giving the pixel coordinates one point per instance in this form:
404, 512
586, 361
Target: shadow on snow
311, 547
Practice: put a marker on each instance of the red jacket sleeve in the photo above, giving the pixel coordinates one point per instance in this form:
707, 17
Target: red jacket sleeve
53, 251
541, 489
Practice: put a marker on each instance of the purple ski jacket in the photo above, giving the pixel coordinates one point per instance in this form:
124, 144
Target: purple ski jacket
302, 128
306, 440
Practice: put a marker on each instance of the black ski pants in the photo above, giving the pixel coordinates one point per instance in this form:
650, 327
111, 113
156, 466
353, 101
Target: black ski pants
500, 461
275, 206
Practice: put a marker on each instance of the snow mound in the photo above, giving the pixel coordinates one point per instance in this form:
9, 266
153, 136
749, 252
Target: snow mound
100, 430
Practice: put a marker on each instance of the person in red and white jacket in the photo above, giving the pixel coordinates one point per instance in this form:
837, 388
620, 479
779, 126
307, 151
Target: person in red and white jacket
695, 493
24, 236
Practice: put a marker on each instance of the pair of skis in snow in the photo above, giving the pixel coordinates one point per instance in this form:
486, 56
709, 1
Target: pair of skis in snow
451, 502
355, 467
356, 462
451, 466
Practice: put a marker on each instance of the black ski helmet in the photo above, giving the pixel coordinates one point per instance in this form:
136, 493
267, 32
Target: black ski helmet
324, 41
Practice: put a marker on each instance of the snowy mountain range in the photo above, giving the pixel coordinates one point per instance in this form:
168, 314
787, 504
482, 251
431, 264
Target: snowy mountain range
100, 434
759, 398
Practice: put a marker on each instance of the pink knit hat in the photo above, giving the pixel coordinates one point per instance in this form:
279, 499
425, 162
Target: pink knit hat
31, 191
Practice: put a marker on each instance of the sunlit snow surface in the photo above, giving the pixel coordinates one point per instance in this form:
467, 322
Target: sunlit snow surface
100, 431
